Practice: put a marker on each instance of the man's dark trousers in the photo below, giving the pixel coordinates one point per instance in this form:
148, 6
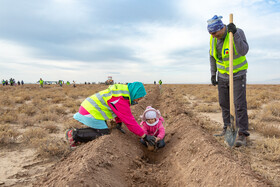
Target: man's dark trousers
240, 102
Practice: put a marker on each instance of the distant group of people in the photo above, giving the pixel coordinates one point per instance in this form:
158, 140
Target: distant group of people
60, 82
159, 82
12, 82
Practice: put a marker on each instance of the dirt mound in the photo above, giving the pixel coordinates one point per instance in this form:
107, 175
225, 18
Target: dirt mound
192, 157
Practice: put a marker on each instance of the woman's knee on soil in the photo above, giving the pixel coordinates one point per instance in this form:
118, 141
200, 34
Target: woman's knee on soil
88, 134
103, 131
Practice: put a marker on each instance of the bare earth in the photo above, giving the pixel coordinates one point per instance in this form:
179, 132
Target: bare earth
192, 156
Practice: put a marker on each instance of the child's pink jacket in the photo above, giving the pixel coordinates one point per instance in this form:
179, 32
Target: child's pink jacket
157, 130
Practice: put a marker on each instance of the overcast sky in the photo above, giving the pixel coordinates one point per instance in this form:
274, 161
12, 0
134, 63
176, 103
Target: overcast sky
131, 40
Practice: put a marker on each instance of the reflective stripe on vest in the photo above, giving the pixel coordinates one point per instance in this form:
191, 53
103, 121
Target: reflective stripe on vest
239, 62
97, 105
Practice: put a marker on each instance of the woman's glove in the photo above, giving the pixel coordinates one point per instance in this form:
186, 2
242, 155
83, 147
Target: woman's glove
150, 139
119, 127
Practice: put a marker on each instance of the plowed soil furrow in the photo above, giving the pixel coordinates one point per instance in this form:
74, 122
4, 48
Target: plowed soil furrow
192, 157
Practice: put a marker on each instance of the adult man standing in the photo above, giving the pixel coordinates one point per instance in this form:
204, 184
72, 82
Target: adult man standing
219, 60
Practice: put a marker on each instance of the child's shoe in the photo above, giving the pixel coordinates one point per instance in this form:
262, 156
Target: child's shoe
69, 137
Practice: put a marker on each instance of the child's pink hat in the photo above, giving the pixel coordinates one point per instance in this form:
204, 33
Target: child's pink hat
150, 113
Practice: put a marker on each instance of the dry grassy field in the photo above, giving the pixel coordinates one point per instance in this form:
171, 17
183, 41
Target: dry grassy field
33, 121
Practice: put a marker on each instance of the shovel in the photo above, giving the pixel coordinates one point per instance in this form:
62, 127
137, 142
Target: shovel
232, 130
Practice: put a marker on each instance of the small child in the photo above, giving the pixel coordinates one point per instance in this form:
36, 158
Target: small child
152, 125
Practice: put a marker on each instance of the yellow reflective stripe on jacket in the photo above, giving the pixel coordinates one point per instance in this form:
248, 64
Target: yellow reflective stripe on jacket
239, 62
97, 105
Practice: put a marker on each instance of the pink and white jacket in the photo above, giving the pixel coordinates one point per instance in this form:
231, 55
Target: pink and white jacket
156, 130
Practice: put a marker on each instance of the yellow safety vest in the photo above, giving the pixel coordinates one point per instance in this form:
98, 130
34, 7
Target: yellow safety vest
97, 105
239, 62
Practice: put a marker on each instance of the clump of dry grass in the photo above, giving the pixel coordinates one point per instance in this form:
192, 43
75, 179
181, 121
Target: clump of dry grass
207, 124
72, 123
253, 115
26, 121
47, 117
9, 117
26, 97
29, 110
32, 135
208, 108
19, 100
273, 108
268, 116
53, 147
271, 149
73, 110
50, 127
263, 96
70, 103
74, 95
39, 102
58, 99
60, 110
252, 103
8, 134
266, 129
6, 101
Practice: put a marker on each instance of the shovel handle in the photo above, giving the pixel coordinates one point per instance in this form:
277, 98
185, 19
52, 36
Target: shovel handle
230, 18
231, 92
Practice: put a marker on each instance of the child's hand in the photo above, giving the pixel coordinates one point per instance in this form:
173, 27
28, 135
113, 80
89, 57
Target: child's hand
157, 139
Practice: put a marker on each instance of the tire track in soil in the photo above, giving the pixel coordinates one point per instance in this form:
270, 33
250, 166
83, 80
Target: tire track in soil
192, 157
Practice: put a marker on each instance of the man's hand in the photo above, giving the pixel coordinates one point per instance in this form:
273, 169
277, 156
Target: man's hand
119, 127
150, 139
213, 80
232, 28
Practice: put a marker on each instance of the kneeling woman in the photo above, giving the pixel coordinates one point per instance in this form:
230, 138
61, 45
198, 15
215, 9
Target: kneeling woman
113, 102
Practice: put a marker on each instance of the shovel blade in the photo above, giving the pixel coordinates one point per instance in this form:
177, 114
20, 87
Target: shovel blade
230, 135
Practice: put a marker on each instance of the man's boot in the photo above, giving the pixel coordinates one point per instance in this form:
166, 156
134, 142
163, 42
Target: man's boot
241, 140
222, 133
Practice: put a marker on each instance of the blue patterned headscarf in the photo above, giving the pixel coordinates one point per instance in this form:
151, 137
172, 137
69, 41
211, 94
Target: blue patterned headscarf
215, 24
136, 90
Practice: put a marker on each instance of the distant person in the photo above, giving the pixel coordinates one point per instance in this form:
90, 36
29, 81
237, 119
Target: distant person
155, 82
219, 60
152, 125
41, 83
11, 82
160, 83
22, 83
3, 82
18, 83
7, 82
112, 103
